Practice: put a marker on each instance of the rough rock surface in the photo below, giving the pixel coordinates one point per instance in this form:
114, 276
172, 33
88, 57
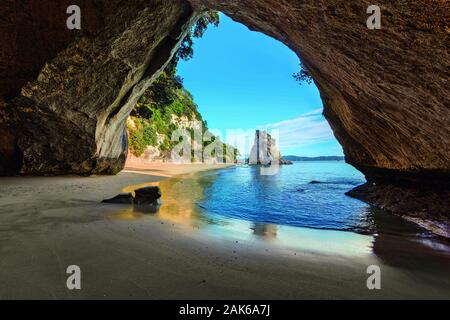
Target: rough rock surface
65, 95
386, 92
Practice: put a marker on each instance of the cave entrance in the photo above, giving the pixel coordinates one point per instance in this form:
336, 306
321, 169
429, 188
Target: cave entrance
232, 80
237, 84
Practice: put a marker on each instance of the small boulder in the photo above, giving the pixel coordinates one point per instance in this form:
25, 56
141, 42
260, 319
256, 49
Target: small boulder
285, 162
147, 196
122, 198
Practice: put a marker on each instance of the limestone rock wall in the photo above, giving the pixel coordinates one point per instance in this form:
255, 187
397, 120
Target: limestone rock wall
66, 93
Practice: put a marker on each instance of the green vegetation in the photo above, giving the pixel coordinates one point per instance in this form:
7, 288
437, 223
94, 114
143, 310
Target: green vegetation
143, 134
167, 103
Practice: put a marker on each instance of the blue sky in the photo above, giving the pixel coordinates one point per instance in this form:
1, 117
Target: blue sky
243, 80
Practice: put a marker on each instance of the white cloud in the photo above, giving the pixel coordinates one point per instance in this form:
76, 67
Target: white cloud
314, 112
307, 129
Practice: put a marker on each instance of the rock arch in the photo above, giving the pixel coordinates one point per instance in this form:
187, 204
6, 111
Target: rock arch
64, 95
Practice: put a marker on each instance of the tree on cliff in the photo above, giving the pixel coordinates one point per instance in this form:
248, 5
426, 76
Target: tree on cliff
303, 75
163, 92
186, 50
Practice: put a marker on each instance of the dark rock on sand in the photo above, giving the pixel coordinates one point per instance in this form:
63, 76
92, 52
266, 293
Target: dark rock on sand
146, 200
147, 196
123, 198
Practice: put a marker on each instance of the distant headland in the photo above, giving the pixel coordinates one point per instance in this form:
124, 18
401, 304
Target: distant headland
321, 158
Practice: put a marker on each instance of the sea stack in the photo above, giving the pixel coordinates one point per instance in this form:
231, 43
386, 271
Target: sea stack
265, 150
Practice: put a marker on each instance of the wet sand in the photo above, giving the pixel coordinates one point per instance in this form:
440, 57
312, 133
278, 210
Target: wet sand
49, 223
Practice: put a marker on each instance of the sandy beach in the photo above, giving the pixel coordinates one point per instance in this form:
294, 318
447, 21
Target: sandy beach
167, 169
49, 223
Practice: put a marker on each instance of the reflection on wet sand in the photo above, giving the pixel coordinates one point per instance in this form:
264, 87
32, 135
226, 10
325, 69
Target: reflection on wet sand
395, 241
181, 204
265, 230
180, 196
128, 213
398, 242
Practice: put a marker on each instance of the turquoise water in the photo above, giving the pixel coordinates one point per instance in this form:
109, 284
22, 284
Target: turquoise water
289, 197
243, 197
288, 211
